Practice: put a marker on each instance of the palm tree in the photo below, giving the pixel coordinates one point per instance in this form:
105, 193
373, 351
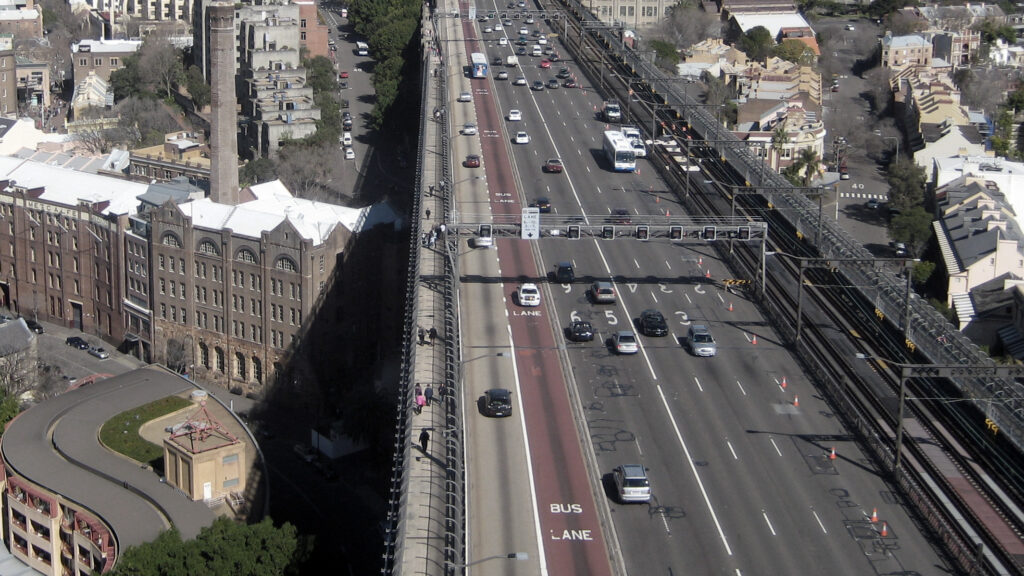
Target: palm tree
809, 162
779, 140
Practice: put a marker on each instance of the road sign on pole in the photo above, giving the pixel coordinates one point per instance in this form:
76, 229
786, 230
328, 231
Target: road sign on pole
530, 229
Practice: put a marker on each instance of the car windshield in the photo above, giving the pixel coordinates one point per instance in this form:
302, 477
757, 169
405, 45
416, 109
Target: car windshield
636, 483
703, 338
529, 291
626, 339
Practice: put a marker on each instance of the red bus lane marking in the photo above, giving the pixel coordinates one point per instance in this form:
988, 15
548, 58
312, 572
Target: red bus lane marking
571, 536
570, 527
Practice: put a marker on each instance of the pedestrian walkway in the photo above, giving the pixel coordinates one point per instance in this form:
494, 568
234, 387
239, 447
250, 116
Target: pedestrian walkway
424, 545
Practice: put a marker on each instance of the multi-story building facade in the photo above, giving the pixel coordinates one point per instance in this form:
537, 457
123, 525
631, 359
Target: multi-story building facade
181, 155
157, 9
312, 34
8, 76
631, 13
24, 23
279, 104
902, 51
101, 56
234, 286
62, 245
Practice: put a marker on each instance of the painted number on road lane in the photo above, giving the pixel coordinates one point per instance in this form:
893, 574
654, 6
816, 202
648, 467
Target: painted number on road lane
574, 316
567, 288
566, 509
612, 320
684, 318
665, 289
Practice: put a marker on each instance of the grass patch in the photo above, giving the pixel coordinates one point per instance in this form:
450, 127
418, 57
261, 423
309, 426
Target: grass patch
121, 433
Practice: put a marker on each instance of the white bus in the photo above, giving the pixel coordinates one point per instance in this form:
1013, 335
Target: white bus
362, 49
619, 151
478, 62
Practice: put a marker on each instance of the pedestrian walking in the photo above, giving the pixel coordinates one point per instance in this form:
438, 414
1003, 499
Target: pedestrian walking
424, 439
428, 394
427, 212
433, 335
431, 189
420, 402
433, 239
441, 391
418, 390
441, 230
423, 336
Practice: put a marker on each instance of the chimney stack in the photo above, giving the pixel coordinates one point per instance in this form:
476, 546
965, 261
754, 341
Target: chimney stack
223, 123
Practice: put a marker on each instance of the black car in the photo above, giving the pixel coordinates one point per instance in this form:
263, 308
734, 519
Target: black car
34, 326
497, 61
652, 323
580, 331
538, 85
76, 342
498, 402
521, 51
553, 84
543, 204
619, 216
564, 73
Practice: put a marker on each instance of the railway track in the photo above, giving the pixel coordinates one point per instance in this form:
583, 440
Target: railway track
965, 486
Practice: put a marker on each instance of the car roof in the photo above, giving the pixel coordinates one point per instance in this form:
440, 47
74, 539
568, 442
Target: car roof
622, 333
633, 471
602, 284
528, 285
699, 328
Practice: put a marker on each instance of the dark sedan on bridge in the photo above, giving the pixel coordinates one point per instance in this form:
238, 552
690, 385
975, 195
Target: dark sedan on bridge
497, 403
652, 323
580, 331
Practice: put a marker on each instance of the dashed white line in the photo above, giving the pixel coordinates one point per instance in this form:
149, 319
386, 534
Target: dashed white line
820, 524
741, 388
768, 522
729, 444
636, 264
668, 264
697, 380
696, 476
777, 451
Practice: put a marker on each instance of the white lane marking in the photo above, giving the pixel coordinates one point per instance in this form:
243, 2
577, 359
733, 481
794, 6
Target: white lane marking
687, 296
733, 451
697, 380
693, 470
636, 440
636, 264
675, 337
653, 297
777, 451
720, 299
664, 520
768, 522
818, 518
529, 460
668, 264
741, 388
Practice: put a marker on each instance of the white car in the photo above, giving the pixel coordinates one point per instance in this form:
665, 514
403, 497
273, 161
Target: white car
514, 115
346, 139
502, 41
350, 154
528, 295
522, 137
488, 30
520, 81
502, 75
469, 129
542, 41
498, 28
625, 342
465, 96
524, 31
850, 27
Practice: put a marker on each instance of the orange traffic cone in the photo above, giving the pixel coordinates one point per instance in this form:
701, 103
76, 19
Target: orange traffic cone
832, 456
657, 199
796, 401
754, 341
708, 273
730, 306
885, 530
874, 515
700, 261
784, 383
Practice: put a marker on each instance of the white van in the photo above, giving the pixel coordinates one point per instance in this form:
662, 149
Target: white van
536, 50
346, 139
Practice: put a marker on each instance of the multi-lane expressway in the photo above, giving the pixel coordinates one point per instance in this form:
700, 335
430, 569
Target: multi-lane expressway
738, 446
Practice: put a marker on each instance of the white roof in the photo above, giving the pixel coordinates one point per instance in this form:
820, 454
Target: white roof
67, 187
908, 41
274, 204
108, 46
773, 22
19, 14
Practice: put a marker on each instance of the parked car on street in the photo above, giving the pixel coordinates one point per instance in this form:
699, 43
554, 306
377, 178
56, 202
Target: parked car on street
77, 342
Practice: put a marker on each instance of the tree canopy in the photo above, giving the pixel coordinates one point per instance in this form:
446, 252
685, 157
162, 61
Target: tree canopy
756, 43
226, 547
906, 185
390, 28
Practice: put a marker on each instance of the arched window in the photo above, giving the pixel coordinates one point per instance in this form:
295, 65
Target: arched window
286, 264
246, 255
219, 353
257, 370
207, 247
170, 240
240, 365
204, 355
